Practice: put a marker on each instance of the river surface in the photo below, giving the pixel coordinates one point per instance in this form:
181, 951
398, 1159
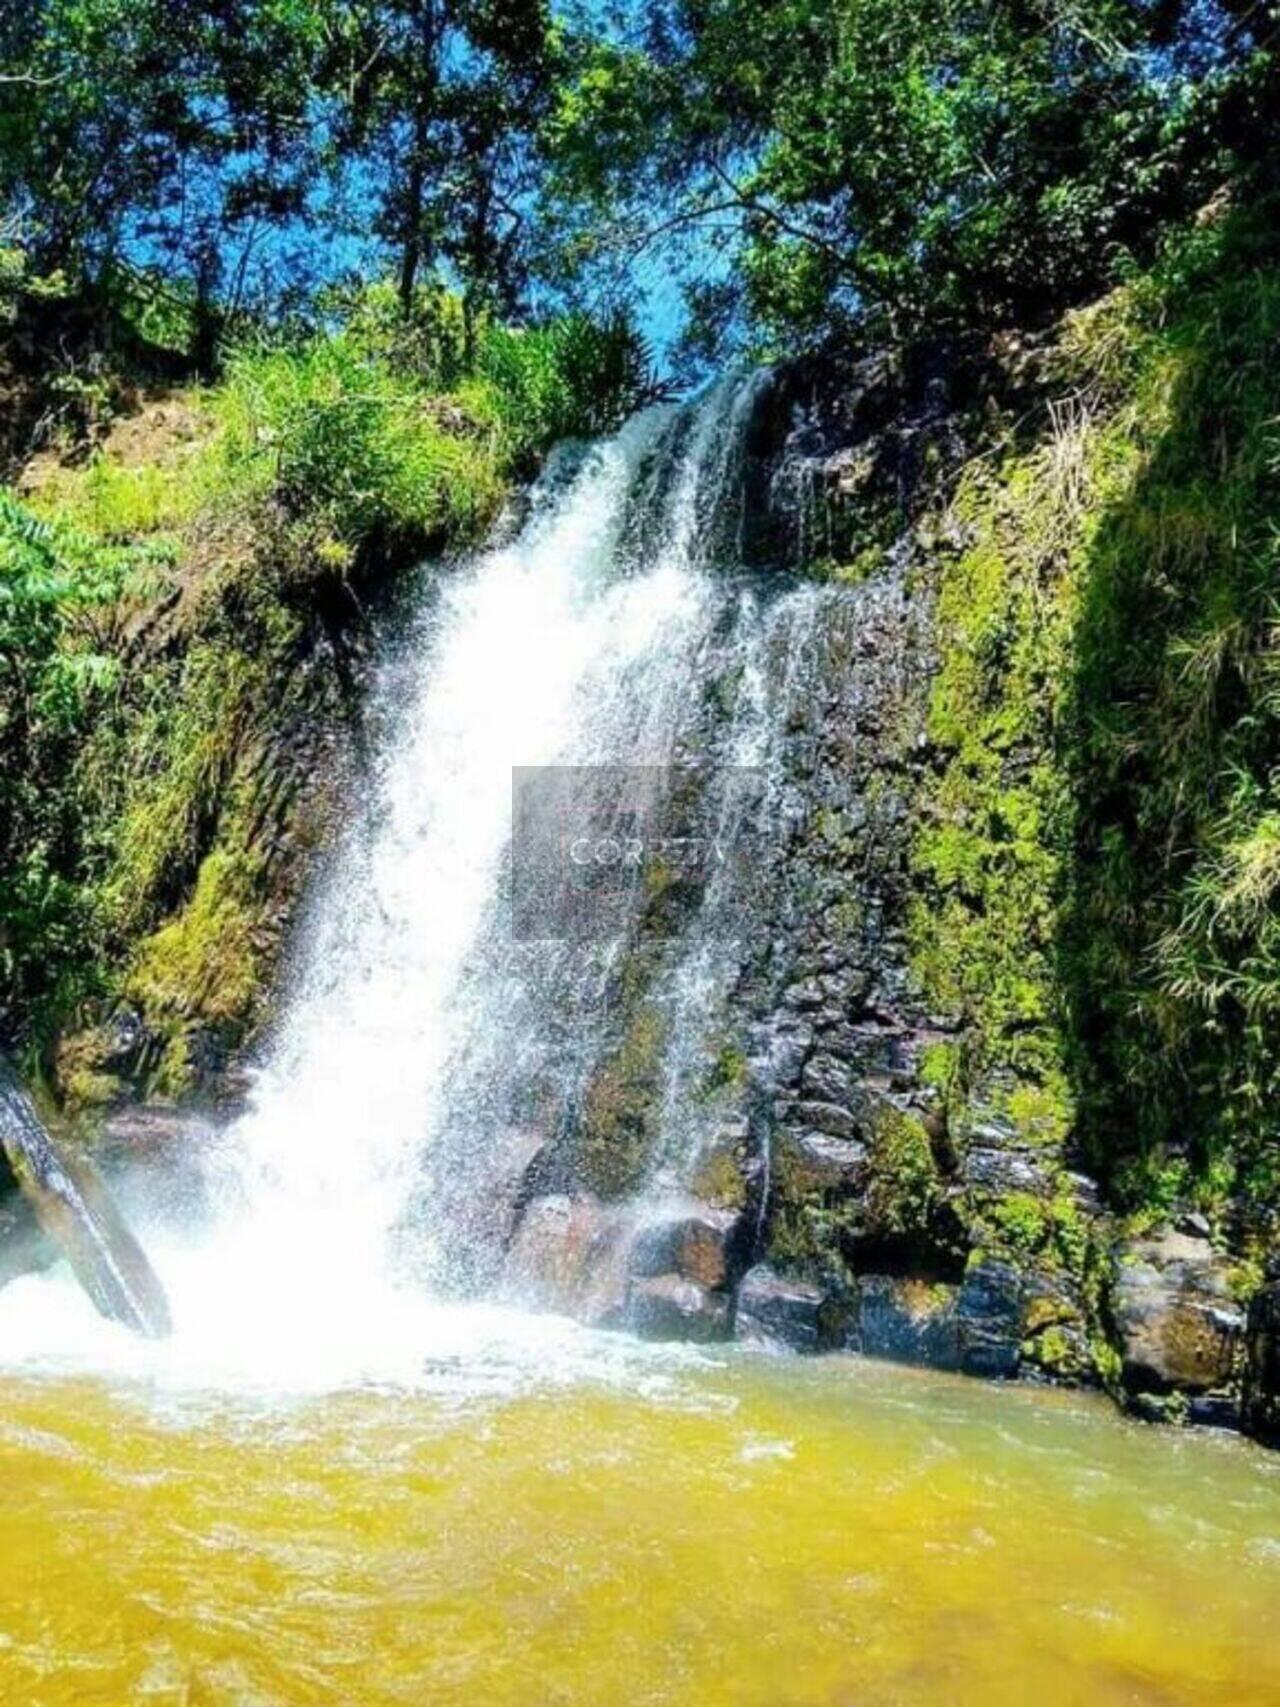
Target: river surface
549, 1515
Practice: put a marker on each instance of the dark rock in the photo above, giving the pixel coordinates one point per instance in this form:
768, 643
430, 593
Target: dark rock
974, 1327
907, 1321
829, 1118
1178, 1325
786, 1050
828, 1164
126, 1042
775, 1311
668, 1307
1214, 1410
1084, 1193
826, 1079
691, 1242
1002, 1170
1260, 1397
989, 1318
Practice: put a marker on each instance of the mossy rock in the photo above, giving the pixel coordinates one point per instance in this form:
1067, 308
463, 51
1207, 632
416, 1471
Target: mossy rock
620, 1119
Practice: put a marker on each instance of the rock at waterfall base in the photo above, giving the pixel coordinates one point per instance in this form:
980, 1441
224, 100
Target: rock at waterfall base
1177, 1322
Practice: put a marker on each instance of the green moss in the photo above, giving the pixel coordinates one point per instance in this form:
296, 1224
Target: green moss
82, 1075
1020, 1222
727, 1072
902, 1181
809, 1227
204, 963
1095, 873
1107, 1362
720, 1179
940, 1065
619, 1123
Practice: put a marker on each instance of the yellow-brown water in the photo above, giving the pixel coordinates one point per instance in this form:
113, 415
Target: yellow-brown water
739, 1530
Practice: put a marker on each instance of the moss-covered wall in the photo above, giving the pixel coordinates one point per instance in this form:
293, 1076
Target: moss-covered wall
1095, 887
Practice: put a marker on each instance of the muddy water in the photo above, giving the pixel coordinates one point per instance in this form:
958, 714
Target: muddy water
644, 1526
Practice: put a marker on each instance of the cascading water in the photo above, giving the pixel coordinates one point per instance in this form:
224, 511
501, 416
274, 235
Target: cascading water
417, 1031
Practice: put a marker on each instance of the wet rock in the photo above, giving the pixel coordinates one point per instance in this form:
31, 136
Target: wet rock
822, 1163
826, 1079
1260, 1397
989, 1318
669, 1307
974, 1327
693, 1242
1214, 1410
1085, 1194
510, 1179
564, 1256
828, 1118
785, 1052
776, 1311
907, 1320
1177, 1323
988, 1169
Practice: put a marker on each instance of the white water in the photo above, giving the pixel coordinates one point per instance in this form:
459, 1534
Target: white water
577, 643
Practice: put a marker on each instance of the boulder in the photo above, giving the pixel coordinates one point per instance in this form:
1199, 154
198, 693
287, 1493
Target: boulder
668, 1307
830, 1118
1260, 1397
988, 1314
692, 1241
563, 1256
974, 1327
827, 1079
1178, 1326
821, 1162
776, 1311
906, 1320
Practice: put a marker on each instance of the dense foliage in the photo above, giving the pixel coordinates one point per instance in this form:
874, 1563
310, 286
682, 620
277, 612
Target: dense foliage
1098, 875
273, 507
909, 167
828, 163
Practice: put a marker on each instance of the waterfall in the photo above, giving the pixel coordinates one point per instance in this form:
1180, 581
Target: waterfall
419, 1031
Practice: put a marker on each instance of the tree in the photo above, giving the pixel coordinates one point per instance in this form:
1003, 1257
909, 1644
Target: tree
899, 163
443, 101
156, 133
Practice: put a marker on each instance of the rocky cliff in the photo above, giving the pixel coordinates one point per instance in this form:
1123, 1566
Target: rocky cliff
972, 1098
